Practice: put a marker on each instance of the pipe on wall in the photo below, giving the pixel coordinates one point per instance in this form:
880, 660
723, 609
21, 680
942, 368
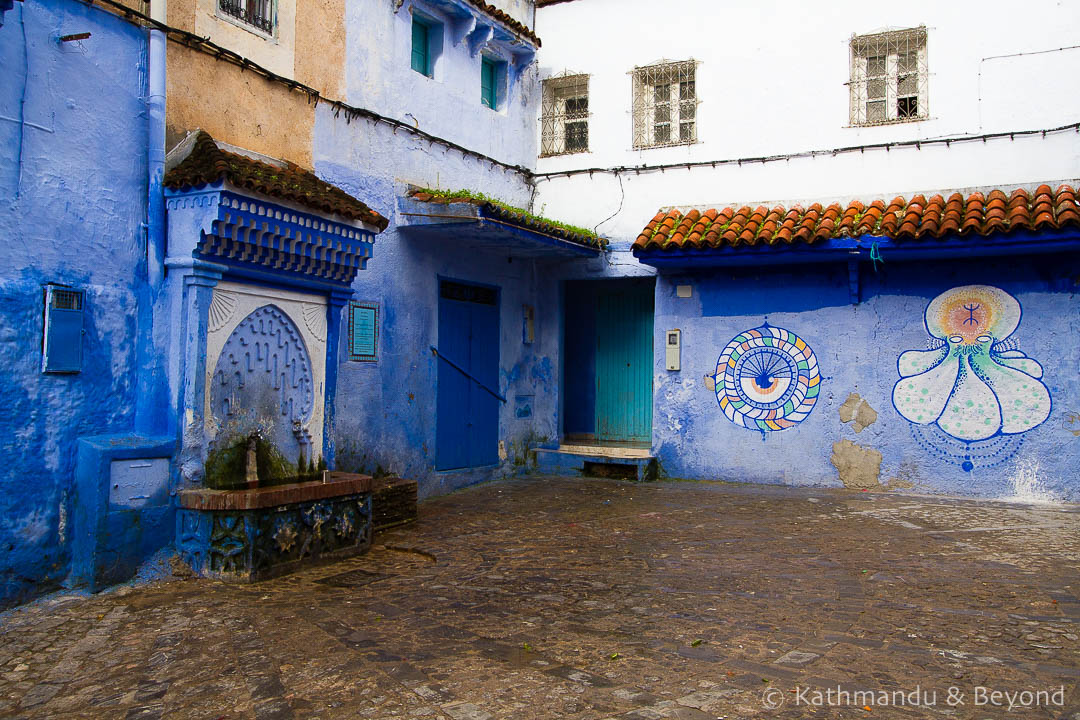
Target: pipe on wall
155, 215
153, 390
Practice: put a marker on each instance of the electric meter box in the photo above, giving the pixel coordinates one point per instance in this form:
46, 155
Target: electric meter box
674, 346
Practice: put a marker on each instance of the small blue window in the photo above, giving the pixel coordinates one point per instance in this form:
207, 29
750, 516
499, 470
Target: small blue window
489, 75
363, 331
62, 346
421, 47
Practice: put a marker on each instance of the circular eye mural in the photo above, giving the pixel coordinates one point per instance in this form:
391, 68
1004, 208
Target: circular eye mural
767, 379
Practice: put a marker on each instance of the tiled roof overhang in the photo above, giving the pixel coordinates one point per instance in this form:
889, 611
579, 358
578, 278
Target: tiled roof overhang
505, 19
486, 227
990, 223
257, 238
207, 163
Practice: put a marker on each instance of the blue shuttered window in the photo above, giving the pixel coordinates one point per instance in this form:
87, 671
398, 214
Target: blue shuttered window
363, 331
62, 346
488, 88
421, 48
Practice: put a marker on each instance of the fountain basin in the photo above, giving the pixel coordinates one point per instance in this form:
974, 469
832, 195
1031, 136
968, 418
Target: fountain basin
252, 534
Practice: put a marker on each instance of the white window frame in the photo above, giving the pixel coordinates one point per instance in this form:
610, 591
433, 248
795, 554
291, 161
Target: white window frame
665, 97
868, 82
241, 23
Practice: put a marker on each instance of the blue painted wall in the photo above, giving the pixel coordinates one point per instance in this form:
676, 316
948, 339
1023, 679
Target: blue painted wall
72, 198
857, 347
379, 76
385, 411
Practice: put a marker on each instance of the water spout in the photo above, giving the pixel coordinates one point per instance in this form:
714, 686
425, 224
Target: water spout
1027, 486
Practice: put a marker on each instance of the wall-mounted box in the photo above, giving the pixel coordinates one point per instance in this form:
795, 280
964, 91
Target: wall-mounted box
673, 346
122, 509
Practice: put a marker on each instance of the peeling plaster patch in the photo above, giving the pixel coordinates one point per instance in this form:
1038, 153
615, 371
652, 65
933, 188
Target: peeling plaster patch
502, 450
678, 396
905, 476
859, 467
61, 526
857, 409
32, 528
542, 372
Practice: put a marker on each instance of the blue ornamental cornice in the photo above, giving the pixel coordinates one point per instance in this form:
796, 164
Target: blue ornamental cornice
247, 233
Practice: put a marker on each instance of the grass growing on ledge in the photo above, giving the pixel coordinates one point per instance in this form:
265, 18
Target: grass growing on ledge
476, 197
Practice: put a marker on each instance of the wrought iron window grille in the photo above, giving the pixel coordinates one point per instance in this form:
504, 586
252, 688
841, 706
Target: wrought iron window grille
564, 116
889, 74
665, 104
259, 14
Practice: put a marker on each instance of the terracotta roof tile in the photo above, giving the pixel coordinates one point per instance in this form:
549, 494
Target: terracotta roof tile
898, 219
505, 19
207, 163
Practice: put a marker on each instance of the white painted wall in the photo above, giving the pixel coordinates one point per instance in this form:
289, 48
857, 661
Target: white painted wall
772, 81
520, 10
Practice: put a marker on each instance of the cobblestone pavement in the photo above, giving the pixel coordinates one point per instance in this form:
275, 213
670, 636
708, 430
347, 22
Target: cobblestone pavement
572, 598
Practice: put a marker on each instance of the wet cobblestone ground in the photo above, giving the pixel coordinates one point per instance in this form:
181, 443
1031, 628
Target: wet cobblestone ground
572, 598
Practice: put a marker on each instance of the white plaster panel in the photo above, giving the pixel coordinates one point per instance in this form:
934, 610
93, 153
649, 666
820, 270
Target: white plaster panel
232, 302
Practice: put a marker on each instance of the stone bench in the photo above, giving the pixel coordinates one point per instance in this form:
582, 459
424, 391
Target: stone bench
246, 535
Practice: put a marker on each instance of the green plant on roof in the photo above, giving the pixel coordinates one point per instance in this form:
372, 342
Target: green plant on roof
470, 196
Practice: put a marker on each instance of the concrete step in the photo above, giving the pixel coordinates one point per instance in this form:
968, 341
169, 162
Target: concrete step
596, 461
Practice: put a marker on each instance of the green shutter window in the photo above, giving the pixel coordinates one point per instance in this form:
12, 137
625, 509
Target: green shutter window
487, 83
421, 58
363, 331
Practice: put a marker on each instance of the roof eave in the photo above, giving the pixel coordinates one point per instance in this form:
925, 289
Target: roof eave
860, 249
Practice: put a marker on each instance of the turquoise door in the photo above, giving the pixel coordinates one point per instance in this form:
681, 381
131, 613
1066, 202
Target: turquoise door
624, 360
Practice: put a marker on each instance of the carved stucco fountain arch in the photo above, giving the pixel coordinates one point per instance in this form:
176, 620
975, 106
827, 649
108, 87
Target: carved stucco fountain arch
266, 367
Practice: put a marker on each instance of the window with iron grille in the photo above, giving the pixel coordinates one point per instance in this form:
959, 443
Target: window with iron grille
258, 14
889, 77
564, 117
665, 104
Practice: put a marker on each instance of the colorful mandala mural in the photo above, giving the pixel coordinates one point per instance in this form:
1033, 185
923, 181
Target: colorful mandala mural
766, 379
973, 385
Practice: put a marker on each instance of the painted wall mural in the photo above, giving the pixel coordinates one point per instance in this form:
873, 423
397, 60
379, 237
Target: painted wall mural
766, 379
972, 394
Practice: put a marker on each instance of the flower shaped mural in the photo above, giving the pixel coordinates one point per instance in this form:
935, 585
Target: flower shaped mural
974, 384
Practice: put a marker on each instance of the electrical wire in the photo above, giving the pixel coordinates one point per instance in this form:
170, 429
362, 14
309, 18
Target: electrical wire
204, 44
902, 144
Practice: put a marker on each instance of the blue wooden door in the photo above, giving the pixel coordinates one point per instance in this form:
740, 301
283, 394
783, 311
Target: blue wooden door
624, 359
467, 413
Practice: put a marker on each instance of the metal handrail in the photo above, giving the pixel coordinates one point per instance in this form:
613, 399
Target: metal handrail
451, 363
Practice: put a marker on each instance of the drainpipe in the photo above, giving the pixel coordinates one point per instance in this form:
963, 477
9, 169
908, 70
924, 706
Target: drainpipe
152, 394
155, 220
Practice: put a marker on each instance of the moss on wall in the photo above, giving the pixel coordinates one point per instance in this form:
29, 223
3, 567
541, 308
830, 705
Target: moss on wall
227, 464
